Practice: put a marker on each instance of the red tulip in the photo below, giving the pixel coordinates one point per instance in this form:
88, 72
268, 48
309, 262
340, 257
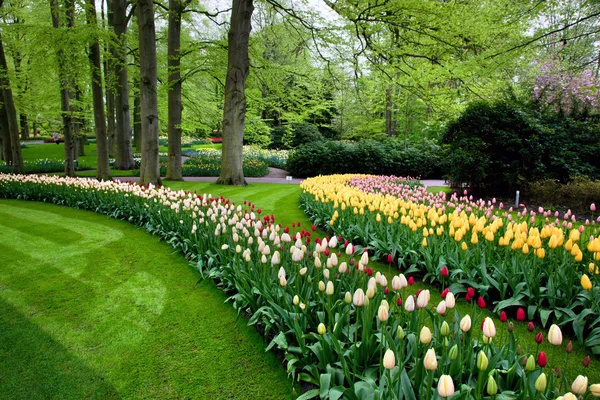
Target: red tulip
444, 271
520, 314
314, 228
286, 229
293, 224
503, 317
259, 211
539, 338
326, 252
411, 280
419, 292
542, 360
386, 291
569, 346
586, 361
399, 301
298, 224
369, 271
530, 326
390, 258
340, 238
445, 293
481, 302
471, 292
352, 261
467, 297
346, 243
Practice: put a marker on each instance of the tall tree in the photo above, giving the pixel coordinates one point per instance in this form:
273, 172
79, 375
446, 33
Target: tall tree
109, 81
11, 114
5, 136
150, 167
238, 67
176, 8
103, 168
123, 151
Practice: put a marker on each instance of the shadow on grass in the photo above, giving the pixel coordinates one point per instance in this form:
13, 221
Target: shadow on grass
34, 366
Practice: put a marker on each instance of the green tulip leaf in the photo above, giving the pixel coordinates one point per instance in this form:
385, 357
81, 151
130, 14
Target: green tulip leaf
311, 394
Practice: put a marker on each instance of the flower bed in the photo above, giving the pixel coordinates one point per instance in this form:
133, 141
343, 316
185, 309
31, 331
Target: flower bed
533, 259
43, 166
352, 333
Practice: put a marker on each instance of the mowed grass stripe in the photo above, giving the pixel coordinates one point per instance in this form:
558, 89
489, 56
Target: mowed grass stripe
120, 320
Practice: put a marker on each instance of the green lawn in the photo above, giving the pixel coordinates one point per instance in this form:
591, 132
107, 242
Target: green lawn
57, 152
95, 308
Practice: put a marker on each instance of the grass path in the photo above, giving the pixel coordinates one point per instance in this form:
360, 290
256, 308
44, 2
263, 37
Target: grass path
95, 308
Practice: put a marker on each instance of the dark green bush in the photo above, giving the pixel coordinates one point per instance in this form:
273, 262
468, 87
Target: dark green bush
366, 157
294, 135
576, 195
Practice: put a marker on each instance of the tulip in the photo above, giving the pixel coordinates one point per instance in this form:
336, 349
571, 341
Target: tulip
281, 273
539, 338
321, 286
282, 281
390, 258
409, 305
445, 293
555, 335
450, 300
399, 301
489, 329
430, 360
348, 298
595, 389
492, 386
453, 353
586, 361
411, 280
568, 396
423, 299
511, 326
585, 282
465, 323
580, 384
542, 360
520, 314
445, 386
445, 272
359, 298
482, 361
425, 335
481, 302
540, 383
530, 326
349, 249
441, 308
530, 364
303, 271
296, 300
389, 359
329, 289
569, 347
383, 313
593, 207
503, 317
321, 329
400, 332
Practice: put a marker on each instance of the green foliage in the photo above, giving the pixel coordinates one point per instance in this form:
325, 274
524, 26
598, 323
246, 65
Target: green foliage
497, 148
44, 166
299, 134
257, 132
366, 157
576, 195
277, 134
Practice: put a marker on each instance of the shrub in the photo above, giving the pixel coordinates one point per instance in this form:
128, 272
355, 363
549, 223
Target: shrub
576, 195
277, 134
367, 157
301, 133
257, 132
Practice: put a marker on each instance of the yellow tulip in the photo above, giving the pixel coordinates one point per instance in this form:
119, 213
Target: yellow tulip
464, 246
424, 242
585, 282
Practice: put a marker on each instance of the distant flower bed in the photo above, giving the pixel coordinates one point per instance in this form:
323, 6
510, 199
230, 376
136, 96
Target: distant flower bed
44, 166
355, 334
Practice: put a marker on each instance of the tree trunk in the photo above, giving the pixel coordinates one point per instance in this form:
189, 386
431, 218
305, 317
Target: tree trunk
24, 126
150, 167
5, 135
238, 67
137, 123
388, 111
174, 63
11, 114
103, 168
22, 89
109, 83
123, 152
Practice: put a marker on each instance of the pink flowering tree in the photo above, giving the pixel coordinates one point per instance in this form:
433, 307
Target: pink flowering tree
566, 93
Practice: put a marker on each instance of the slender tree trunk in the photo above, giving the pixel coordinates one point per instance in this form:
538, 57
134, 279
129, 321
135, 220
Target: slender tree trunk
11, 114
150, 167
238, 67
109, 83
123, 152
137, 123
174, 171
24, 126
388, 111
23, 87
103, 168
5, 135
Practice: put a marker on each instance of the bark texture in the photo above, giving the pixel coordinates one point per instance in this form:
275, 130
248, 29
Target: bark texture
12, 125
109, 83
5, 135
123, 152
150, 167
238, 67
103, 168
174, 171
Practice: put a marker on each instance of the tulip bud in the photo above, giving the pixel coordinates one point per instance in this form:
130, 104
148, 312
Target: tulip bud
540, 383
430, 360
530, 364
282, 281
329, 289
445, 386
555, 335
539, 338
530, 326
296, 300
492, 386
569, 347
482, 361
518, 350
409, 304
445, 329
389, 359
370, 293
321, 329
453, 353
520, 314
489, 329
542, 360
586, 361
465, 323
511, 326
441, 308
425, 335
400, 333
595, 389
348, 298
321, 286
359, 298
423, 299
580, 384
503, 317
